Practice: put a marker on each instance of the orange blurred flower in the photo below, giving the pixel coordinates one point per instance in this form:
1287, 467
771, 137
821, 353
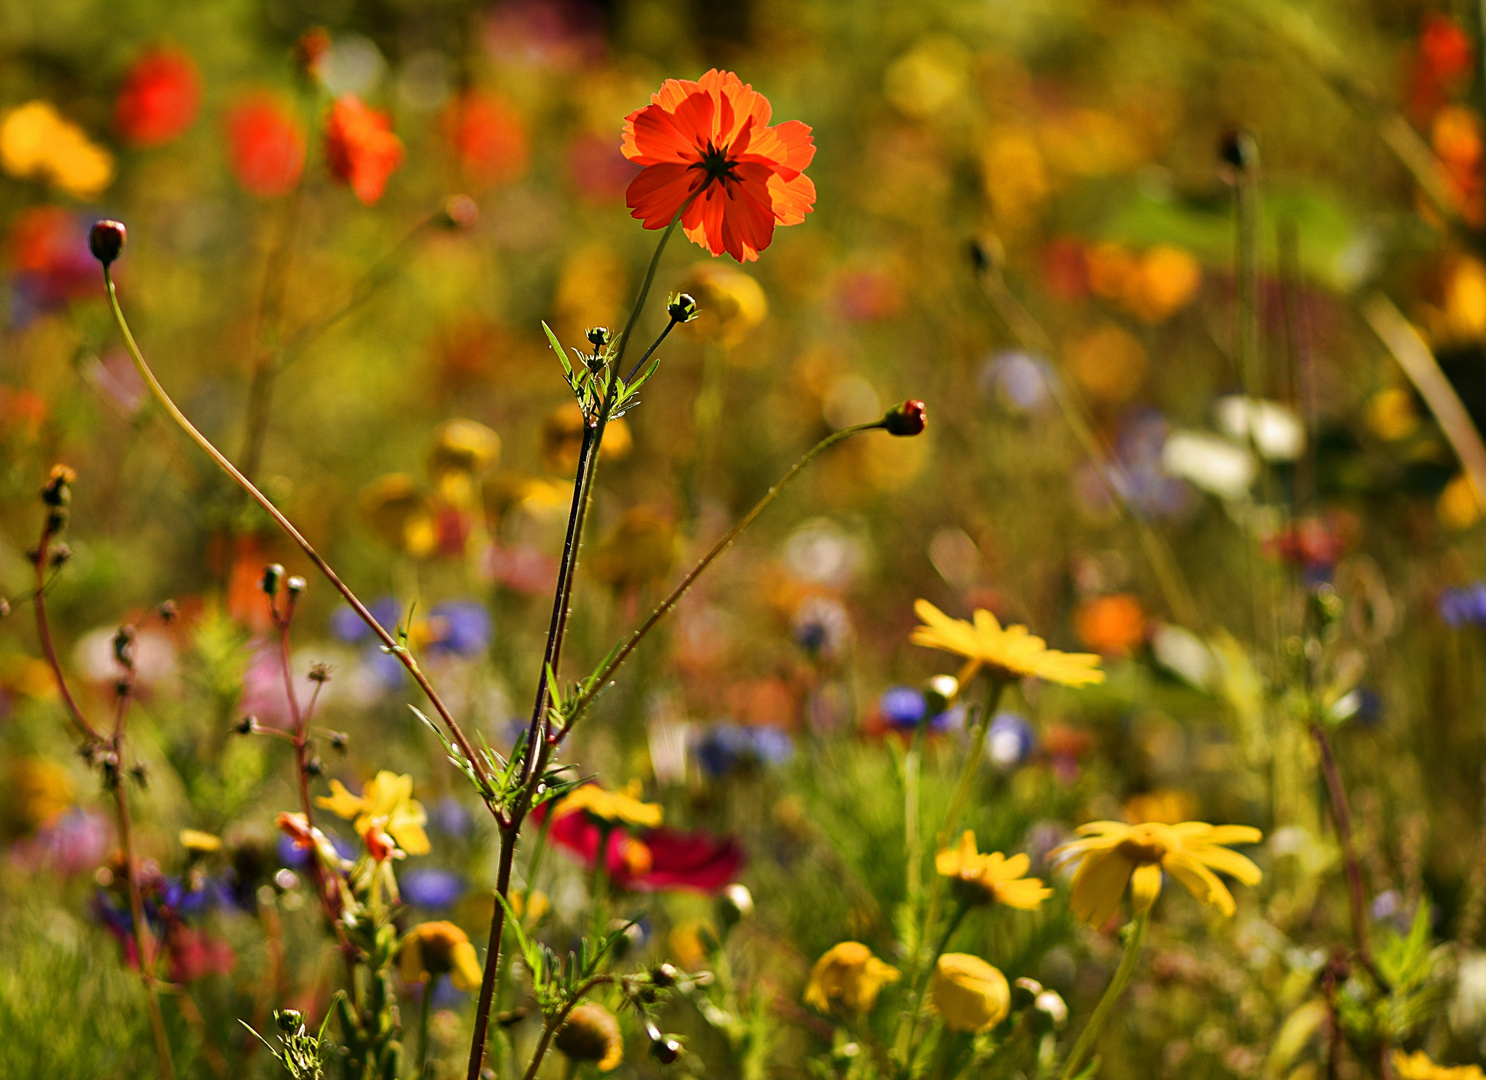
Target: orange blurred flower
488, 138
159, 99
266, 146
711, 139
1110, 625
360, 147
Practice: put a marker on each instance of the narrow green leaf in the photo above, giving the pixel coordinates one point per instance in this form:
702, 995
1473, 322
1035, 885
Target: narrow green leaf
562, 354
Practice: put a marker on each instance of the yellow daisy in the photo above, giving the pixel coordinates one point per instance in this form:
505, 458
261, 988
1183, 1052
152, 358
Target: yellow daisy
613, 806
1113, 854
1418, 1066
847, 979
1009, 652
432, 949
386, 800
992, 877
968, 993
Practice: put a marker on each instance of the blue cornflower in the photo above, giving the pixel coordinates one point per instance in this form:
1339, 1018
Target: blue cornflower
433, 890
1465, 606
460, 628
724, 747
1009, 741
347, 625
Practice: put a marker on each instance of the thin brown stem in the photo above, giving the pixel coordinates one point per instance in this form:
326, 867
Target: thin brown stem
1341, 816
391, 644
492, 952
48, 649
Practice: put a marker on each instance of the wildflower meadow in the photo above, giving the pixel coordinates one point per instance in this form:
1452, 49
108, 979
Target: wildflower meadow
760, 540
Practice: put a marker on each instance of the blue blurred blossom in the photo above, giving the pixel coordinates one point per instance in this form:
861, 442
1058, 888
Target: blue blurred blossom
1009, 741
725, 747
1019, 379
346, 625
1465, 606
450, 816
459, 628
433, 890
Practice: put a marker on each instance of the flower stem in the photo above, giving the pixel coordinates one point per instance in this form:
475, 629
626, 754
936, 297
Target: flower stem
966, 784
423, 1009
1085, 1044
598, 681
391, 643
1341, 815
922, 981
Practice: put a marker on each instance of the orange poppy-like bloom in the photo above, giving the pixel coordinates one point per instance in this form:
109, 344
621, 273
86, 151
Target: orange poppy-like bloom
159, 99
266, 147
360, 148
710, 141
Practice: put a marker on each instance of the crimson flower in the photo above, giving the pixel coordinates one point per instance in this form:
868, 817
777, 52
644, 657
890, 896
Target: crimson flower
360, 148
159, 98
266, 147
710, 141
651, 860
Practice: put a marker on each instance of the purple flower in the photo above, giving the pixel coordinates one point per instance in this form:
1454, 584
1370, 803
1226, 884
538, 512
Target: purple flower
1465, 606
460, 628
72, 843
348, 626
723, 748
434, 890
905, 708
450, 816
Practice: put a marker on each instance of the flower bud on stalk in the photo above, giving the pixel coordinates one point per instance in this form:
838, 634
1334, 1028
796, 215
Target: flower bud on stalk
273, 576
459, 212
905, 419
681, 307
106, 240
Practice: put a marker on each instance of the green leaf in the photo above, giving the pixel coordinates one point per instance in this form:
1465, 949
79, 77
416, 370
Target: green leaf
562, 354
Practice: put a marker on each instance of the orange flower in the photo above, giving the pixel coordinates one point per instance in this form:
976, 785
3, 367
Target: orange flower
159, 98
266, 146
711, 139
488, 137
360, 148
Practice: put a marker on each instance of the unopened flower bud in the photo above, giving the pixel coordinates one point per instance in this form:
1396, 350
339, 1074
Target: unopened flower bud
681, 307
1051, 1005
289, 1019
58, 490
314, 767
140, 774
459, 212
986, 253
905, 419
273, 576
666, 1050
598, 336
319, 673
246, 726
736, 904
311, 48
338, 741
664, 975
295, 585
1238, 151
60, 555
124, 647
106, 240
939, 693
167, 611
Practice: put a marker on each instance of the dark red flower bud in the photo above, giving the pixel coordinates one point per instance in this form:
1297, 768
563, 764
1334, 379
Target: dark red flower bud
905, 419
106, 240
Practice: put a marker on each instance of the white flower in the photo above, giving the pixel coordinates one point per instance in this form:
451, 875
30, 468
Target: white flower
1277, 432
1214, 464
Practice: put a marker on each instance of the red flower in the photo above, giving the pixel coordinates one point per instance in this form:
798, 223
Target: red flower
360, 147
711, 139
195, 954
266, 146
488, 138
159, 99
652, 860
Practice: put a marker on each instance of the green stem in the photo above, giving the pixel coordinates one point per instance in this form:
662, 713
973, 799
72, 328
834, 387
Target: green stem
423, 1009
598, 681
1085, 1045
916, 1013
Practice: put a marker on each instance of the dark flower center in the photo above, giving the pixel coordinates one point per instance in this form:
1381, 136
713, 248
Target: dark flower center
716, 164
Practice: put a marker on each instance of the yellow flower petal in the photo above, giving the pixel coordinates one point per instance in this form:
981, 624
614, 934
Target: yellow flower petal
341, 802
1098, 885
1145, 886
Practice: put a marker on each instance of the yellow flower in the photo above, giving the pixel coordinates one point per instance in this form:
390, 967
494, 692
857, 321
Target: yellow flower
991, 878
730, 303
387, 801
36, 141
592, 1034
1010, 652
432, 949
968, 993
1112, 854
847, 978
612, 806
1418, 1066
1164, 806
200, 843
